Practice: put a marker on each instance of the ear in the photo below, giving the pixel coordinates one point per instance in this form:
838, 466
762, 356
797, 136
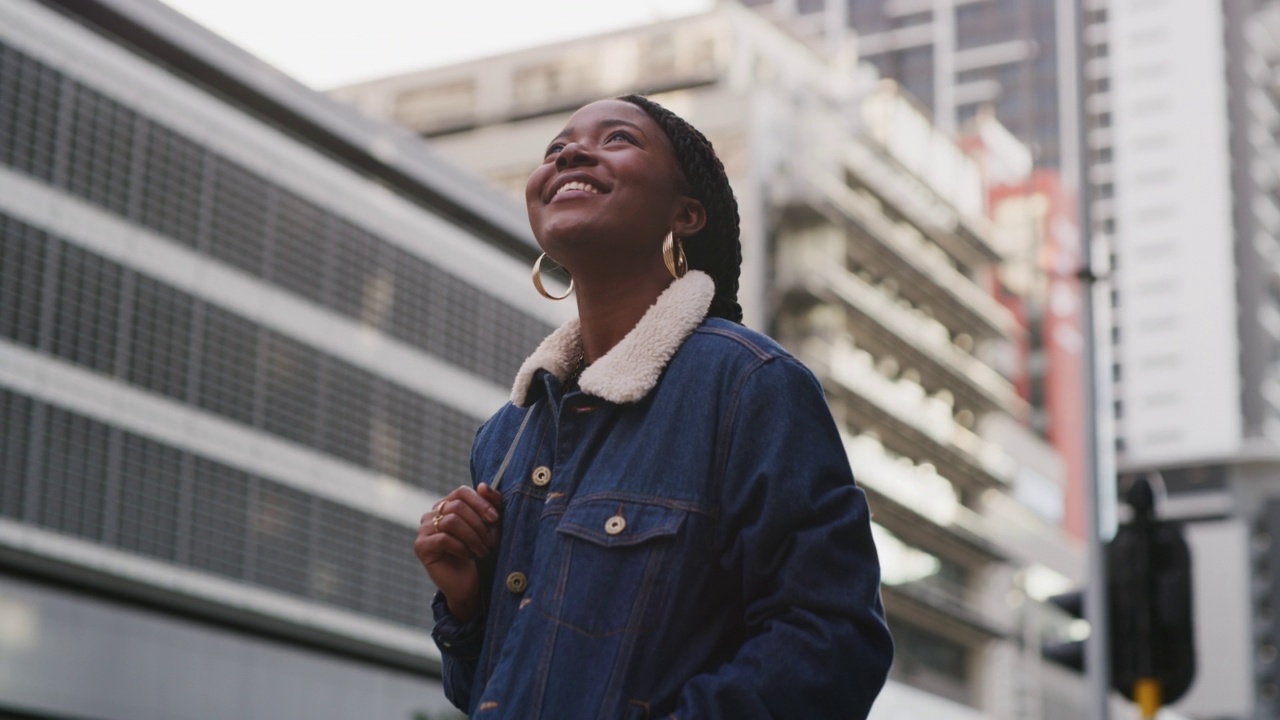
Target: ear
690, 217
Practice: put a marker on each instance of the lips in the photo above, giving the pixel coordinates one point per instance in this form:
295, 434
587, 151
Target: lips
576, 184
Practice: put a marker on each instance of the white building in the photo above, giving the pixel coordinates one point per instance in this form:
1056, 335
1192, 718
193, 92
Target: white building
1184, 164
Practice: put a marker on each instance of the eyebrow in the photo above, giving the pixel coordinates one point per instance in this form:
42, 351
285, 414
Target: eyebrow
612, 122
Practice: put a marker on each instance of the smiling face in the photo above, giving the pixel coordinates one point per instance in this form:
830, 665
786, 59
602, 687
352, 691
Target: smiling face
608, 190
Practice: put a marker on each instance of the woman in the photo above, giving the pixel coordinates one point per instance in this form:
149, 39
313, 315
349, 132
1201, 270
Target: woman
676, 532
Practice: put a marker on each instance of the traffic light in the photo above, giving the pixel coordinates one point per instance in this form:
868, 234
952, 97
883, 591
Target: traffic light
1148, 608
1069, 654
1149, 593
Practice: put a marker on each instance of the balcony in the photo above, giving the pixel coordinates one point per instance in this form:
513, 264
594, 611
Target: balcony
918, 504
967, 239
885, 327
908, 421
925, 589
927, 278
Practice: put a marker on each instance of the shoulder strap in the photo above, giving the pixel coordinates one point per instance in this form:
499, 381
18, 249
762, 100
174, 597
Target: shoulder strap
502, 469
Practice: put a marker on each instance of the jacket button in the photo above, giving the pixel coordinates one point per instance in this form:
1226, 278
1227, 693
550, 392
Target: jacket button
615, 524
517, 582
541, 476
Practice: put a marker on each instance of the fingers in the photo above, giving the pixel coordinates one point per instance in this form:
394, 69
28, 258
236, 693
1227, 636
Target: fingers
464, 516
484, 501
493, 497
433, 548
462, 522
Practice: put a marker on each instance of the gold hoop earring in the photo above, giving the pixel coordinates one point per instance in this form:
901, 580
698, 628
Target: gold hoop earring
537, 282
673, 256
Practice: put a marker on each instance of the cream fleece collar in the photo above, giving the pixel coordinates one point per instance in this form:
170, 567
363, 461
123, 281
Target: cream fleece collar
630, 370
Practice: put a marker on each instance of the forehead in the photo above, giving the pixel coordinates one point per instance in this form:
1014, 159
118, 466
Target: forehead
606, 112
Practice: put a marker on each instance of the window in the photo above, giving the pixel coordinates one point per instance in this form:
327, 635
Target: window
99, 483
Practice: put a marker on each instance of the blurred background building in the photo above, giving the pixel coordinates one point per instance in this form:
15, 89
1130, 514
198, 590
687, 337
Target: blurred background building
957, 57
246, 337
1183, 109
870, 253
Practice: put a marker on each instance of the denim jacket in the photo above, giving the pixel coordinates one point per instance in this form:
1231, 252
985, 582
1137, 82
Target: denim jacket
681, 537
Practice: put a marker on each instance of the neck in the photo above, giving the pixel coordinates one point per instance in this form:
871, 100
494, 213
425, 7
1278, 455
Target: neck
608, 310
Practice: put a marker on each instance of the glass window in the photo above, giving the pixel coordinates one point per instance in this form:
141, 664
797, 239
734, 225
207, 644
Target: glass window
172, 185
23, 254
100, 150
74, 477
240, 212
150, 478
87, 311
160, 338
29, 98
18, 421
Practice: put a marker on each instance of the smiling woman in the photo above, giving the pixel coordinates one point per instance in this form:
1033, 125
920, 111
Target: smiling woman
662, 521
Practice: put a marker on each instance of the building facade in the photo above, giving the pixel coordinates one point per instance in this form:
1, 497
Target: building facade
957, 56
867, 253
1183, 128
246, 338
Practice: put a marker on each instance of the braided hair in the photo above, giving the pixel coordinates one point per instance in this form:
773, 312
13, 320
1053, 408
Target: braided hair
716, 249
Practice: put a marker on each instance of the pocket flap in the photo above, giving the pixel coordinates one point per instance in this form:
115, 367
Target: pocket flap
614, 522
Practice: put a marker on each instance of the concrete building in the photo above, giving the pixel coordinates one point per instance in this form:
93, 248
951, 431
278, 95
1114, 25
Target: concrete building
1034, 214
246, 337
957, 56
868, 253
1184, 123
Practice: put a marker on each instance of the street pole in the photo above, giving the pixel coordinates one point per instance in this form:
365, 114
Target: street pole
1100, 492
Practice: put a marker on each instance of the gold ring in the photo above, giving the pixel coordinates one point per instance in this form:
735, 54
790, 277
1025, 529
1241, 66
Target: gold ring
436, 522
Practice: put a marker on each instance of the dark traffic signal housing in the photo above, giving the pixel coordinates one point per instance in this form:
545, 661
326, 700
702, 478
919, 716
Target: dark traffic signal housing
1149, 608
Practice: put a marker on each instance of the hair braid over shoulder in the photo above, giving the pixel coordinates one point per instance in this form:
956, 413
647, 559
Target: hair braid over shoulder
717, 248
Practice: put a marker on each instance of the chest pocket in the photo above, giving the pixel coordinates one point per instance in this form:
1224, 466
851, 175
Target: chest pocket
613, 560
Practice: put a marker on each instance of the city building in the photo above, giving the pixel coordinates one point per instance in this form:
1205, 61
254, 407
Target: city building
246, 338
1183, 141
868, 252
976, 65
957, 56
1033, 214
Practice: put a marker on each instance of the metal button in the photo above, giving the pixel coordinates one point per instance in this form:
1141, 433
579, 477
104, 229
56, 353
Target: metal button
541, 475
517, 582
615, 524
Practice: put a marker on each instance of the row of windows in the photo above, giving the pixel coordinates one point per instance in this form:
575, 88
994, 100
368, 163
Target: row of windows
82, 478
77, 139
72, 304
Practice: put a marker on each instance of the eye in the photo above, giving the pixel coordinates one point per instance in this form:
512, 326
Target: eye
620, 134
553, 149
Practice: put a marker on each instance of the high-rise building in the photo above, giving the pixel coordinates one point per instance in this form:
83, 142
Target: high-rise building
969, 64
1183, 139
957, 56
868, 254
246, 337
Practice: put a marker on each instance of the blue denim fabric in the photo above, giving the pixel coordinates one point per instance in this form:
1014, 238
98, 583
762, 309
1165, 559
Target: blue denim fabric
743, 584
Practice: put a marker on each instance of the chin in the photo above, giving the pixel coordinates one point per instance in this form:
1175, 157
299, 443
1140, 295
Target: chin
557, 237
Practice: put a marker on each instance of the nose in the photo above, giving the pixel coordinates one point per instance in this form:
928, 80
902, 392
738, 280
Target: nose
574, 154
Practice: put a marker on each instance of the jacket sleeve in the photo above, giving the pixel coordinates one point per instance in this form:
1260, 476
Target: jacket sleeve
796, 531
460, 643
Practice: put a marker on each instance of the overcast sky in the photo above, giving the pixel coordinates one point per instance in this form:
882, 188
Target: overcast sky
325, 43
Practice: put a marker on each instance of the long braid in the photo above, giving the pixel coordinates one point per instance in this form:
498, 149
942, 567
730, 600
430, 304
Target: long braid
716, 249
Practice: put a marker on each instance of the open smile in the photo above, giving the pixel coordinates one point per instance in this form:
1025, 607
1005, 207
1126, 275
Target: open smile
580, 186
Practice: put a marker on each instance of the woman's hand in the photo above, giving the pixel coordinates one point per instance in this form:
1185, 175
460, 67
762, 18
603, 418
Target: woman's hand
459, 530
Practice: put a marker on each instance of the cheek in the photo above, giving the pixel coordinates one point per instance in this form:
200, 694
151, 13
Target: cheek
537, 179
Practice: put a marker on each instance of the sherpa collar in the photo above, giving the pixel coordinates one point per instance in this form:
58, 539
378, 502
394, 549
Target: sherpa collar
630, 370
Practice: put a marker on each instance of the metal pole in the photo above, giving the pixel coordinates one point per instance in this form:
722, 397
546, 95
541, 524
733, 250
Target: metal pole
1100, 477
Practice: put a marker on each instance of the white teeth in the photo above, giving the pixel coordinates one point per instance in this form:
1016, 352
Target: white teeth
576, 185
